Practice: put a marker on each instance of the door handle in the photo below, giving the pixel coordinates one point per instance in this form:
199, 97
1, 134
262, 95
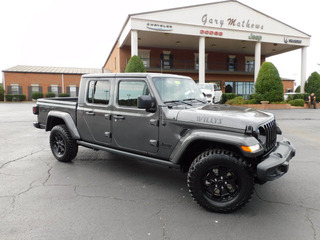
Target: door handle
118, 117
90, 113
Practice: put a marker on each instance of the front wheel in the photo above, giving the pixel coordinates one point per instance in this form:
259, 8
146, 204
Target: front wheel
64, 148
219, 181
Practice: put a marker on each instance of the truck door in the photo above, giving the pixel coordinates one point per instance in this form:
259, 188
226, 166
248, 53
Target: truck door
134, 129
94, 121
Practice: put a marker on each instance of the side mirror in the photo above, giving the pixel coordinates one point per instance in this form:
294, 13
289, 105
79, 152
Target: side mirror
145, 102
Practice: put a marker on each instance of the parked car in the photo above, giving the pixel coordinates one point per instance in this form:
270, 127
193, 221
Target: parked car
212, 92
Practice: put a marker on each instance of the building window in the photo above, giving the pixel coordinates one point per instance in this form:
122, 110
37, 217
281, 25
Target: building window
249, 64
232, 63
55, 90
244, 89
15, 89
144, 54
129, 91
73, 90
35, 88
166, 60
196, 61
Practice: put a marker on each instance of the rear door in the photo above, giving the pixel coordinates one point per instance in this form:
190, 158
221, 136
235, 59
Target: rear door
95, 114
134, 129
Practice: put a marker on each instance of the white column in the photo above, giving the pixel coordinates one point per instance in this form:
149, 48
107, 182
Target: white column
62, 83
4, 86
303, 67
134, 43
257, 60
202, 60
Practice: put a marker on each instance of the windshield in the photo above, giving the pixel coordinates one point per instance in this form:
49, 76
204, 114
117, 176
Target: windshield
205, 86
177, 89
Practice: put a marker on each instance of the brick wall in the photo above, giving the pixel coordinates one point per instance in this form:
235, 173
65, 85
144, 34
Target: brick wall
288, 85
44, 80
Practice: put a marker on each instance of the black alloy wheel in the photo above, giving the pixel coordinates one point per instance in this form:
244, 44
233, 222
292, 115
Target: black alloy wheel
63, 146
220, 181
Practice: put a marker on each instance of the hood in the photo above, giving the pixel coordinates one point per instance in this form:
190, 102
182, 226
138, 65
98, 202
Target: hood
222, 116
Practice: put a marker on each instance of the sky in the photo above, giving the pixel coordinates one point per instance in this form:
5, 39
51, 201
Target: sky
81, 33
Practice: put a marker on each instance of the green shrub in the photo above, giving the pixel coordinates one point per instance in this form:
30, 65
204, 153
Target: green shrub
227, 96
1, 92
269, 86
313, 84
135, 64
297, 102
237, 101
303, 96
64, 95
298, 89
282, 102
37, 95
252, 101
50, 95
15, 97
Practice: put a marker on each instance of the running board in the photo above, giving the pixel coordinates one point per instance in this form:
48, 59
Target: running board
128, 154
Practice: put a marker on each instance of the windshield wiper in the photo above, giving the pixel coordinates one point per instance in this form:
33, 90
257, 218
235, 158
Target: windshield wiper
191, 99
178, 101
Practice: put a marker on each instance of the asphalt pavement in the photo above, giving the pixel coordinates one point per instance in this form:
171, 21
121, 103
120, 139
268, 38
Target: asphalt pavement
104, 196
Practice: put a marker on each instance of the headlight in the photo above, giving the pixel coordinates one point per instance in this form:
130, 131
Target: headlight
251, 149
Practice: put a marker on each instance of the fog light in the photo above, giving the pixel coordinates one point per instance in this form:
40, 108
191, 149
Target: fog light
251, 149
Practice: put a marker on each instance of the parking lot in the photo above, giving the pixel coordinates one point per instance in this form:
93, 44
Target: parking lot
104, 196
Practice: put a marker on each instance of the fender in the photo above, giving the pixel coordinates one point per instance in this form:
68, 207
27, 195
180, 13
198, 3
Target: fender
66, 117
233, 139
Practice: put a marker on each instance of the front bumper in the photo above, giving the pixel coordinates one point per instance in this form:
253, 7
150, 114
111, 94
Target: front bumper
277, 163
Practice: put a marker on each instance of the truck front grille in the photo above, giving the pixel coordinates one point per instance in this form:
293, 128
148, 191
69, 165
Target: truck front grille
268, 135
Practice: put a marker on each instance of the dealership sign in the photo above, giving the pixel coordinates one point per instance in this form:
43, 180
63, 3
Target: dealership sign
210, 32
231, 22
288, 40
159, 27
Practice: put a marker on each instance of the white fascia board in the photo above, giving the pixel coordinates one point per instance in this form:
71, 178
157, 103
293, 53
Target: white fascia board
125, 33
222, 33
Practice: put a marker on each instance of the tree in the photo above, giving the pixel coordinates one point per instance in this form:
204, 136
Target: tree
1, 92
269, 86
313, 84
298, 89
135, 64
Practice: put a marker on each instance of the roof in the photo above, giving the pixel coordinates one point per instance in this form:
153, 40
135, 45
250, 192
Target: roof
57, 70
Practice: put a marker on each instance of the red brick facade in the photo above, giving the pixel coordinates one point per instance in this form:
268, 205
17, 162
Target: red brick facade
44, 80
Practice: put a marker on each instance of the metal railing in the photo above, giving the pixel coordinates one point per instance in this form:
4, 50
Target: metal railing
158, 64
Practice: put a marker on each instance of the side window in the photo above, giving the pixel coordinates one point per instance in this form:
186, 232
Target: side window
99, 92
129, 91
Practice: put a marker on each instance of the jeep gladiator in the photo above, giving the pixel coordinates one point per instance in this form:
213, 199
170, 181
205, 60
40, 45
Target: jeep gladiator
165, 119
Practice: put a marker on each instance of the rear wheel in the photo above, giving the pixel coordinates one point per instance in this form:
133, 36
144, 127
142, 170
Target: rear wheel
219, 181
63, 146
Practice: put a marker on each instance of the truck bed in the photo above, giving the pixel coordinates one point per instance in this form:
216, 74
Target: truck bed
63, 104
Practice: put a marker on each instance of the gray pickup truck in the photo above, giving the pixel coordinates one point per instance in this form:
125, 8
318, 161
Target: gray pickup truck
165, 119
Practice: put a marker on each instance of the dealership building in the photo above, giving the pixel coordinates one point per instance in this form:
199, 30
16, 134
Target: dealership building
224, 42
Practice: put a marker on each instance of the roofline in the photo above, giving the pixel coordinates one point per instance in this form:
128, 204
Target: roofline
197, 5
47, 72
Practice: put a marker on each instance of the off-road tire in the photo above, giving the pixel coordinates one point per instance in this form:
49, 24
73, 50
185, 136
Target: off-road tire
64, 148
219, 181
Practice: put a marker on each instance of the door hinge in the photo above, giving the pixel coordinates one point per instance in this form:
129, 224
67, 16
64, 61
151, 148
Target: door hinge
154, 122
154, 143
108, 134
